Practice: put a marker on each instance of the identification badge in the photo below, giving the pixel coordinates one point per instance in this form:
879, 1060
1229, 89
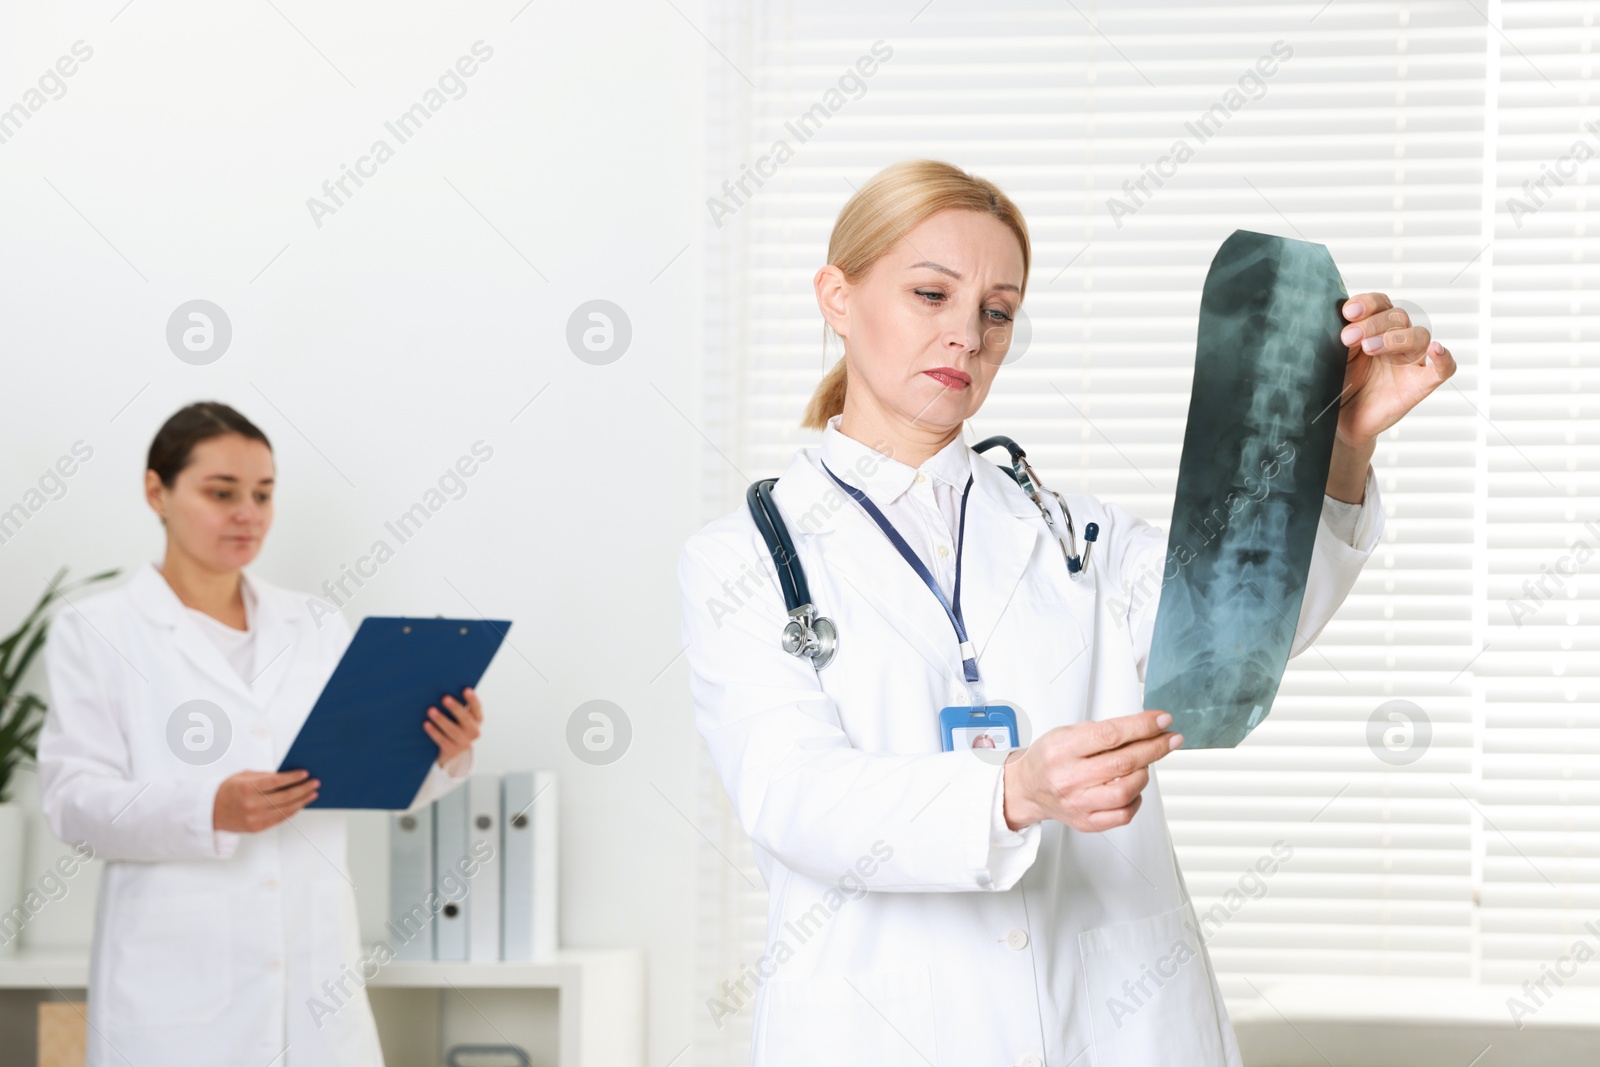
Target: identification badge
993, 728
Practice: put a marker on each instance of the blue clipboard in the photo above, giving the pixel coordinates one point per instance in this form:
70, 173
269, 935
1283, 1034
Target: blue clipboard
363, 739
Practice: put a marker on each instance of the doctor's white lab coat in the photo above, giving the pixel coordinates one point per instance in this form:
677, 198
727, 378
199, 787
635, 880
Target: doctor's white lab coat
209, 946
904, 927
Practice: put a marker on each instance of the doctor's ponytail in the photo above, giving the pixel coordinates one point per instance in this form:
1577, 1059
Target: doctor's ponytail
895, 200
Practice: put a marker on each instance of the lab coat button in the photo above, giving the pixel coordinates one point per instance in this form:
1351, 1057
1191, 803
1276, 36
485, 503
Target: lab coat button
271, 883
1031, 1061
921, 477
275, 964
1017, 939
943, 551
263, 734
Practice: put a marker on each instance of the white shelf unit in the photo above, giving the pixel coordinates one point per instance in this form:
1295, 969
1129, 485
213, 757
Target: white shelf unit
599, 996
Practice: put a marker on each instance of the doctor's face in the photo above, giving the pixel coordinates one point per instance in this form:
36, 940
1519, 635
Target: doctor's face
219, 508
928, 326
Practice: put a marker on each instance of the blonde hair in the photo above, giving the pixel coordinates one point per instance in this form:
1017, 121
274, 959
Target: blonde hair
897, 199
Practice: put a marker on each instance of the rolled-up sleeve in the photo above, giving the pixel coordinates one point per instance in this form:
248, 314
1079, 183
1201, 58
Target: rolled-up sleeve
442, 779
1346, 535
1011, 852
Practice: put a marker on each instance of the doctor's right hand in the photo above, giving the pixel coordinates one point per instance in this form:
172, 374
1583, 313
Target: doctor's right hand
252, 801
1089, 775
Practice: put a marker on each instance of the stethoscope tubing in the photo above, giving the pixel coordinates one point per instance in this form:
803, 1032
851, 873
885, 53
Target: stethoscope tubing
792, 577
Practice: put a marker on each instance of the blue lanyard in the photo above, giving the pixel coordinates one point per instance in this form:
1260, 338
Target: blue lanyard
969, 655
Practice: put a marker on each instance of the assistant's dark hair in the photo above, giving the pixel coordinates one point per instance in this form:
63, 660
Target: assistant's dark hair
174, 442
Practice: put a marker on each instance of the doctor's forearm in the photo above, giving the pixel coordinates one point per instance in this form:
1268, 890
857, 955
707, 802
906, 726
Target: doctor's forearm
1344, 543
125, 820
1347, 473
923, 820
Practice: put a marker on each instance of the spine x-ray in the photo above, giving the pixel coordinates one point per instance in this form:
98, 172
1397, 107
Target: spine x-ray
1269, 368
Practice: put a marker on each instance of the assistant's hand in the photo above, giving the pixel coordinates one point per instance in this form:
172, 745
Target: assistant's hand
1088, 775
1386, 374
455, 735
252, 801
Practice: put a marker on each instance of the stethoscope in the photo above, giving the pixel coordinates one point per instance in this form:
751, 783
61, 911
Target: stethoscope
814, 636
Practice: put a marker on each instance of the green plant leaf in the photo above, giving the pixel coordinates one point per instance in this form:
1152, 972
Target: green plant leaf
9, 645
21, 716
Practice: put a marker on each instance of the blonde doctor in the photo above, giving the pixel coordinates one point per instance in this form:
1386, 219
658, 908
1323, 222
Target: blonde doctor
225, 931
930, 907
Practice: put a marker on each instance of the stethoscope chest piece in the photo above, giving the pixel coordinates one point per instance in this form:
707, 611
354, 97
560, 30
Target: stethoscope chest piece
806, 634
811, 635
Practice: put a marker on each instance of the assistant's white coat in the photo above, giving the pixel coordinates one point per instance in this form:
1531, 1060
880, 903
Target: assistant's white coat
955, 954
208, 946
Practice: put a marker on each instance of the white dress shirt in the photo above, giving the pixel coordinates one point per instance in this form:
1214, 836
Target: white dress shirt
924, 506
238, 647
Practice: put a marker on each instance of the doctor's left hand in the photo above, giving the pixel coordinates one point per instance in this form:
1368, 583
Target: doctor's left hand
455, 735
1392, 366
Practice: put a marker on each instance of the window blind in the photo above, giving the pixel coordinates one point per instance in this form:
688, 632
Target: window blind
1459, 842
1538, 679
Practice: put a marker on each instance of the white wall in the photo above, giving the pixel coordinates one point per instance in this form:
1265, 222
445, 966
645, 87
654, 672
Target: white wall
420, 317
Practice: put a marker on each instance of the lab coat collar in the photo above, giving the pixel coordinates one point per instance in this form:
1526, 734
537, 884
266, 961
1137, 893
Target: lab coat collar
277, 620
1002, 533
884, 478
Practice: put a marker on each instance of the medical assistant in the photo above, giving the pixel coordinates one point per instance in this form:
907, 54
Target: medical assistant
208, 944
973, 943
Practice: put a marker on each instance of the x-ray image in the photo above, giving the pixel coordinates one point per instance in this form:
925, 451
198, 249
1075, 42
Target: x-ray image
1269, 367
